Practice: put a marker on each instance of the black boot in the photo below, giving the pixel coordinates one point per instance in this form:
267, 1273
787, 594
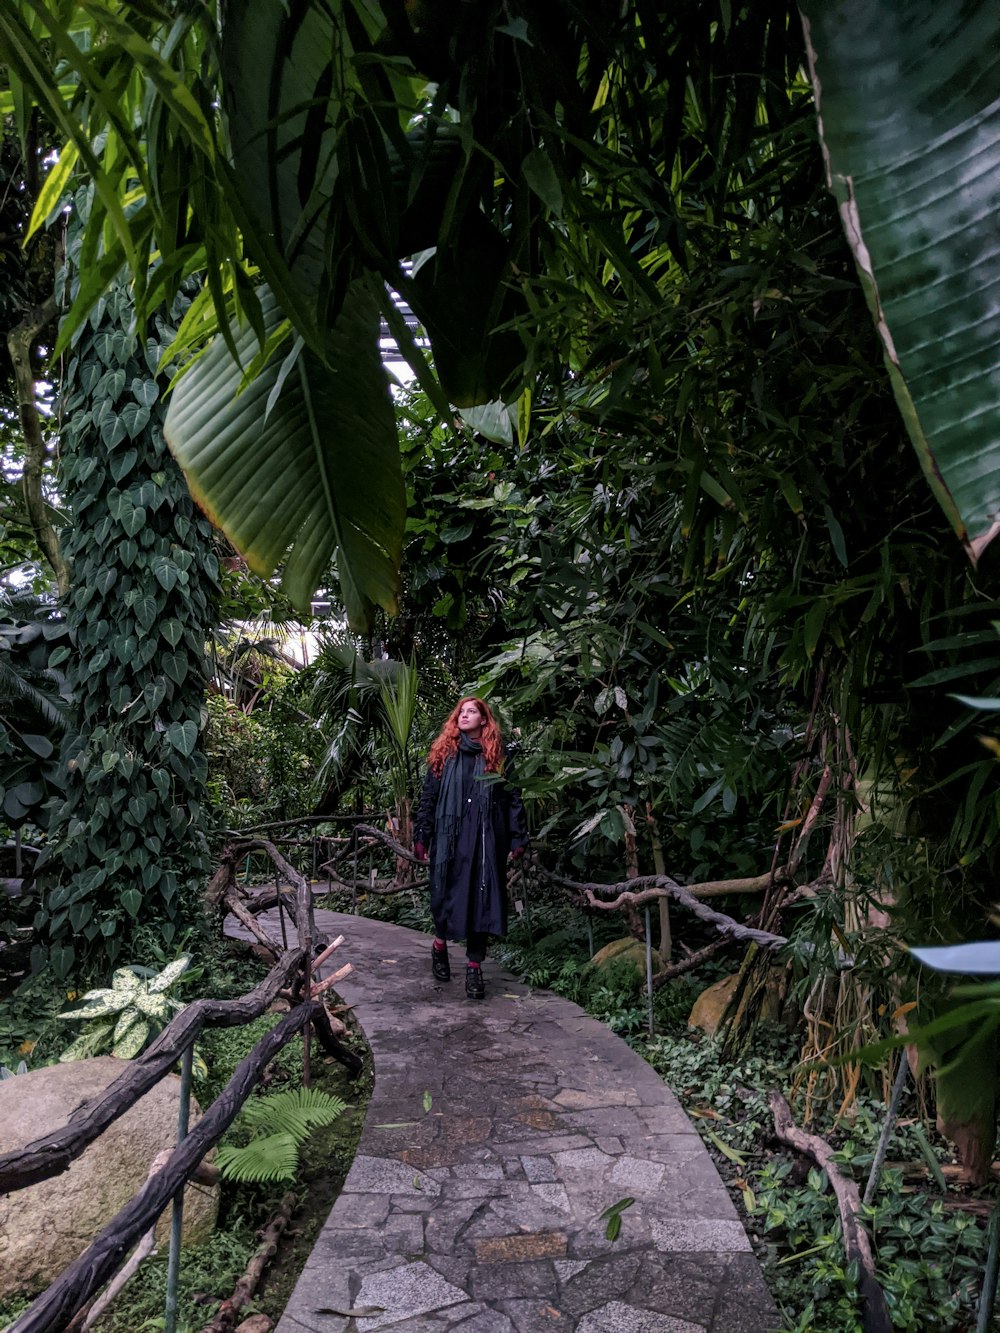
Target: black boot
440, 966
475, 987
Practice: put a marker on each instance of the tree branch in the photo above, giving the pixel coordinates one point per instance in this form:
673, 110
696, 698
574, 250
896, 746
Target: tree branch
228, 1312
20, 341
857, 1246
648, 888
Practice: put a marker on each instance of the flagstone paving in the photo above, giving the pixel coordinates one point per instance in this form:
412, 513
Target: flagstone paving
498, 1133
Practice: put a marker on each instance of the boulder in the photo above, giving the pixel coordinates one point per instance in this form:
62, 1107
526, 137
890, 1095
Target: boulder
628, 950
708, 1010
46, 1226
711, 1004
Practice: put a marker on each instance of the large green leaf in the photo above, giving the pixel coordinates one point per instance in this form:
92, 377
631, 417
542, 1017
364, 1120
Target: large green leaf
276, 73
908, 98
304, 458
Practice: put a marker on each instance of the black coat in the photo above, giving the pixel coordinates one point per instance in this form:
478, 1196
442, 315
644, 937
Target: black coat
473, 893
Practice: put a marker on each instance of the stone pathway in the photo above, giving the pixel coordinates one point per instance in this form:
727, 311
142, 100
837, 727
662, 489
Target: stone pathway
498, 1132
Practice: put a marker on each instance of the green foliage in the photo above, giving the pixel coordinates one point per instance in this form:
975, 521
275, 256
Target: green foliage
278, 1122
127, 844
310, 438
549, 950
262, 763
29, 1026
613, 1217
33, 708
929, 1260
125, 1017
369, 712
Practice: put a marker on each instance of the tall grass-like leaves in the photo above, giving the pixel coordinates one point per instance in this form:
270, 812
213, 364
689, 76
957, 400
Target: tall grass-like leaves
908, 99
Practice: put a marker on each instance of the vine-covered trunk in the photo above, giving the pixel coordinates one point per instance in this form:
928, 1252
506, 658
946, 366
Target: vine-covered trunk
128, 849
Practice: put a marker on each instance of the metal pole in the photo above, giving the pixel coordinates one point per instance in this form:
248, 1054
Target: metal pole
649, 973
988, 1295
890, 1120
354, 876
314, 857
177, 1219
590, 935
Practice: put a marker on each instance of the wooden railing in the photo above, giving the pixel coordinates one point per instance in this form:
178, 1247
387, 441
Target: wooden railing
291, 977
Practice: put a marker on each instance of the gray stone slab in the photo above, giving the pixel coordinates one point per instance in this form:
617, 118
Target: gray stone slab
383, 1175
539, 1168
693, 1234
478, 1171
476, 1318
637, 1174
403, 1293
498, 1282
582, 1159
742, 1306
531, 1147
575, 1100
617, 1317
554, 1195
537, 1316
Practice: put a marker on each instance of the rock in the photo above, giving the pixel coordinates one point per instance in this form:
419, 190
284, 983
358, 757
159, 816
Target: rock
711, 1004
628, 950
46, 1226
257, 1323
708, 1010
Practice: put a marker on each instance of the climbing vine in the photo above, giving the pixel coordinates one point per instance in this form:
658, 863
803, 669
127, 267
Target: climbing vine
128, 848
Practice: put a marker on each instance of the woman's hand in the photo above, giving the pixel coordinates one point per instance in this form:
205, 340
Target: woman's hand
420, 851
516, 853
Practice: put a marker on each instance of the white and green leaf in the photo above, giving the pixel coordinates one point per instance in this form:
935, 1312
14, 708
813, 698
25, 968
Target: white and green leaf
132, 1043
165, 979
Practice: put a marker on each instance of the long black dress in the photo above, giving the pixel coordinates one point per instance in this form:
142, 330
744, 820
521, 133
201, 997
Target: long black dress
469, 891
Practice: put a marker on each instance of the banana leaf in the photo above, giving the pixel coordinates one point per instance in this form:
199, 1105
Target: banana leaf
303, 461
908, 105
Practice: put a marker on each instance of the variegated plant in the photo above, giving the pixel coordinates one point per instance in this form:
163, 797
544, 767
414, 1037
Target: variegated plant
126, 1015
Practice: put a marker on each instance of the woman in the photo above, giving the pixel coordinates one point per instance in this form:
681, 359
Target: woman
469, 819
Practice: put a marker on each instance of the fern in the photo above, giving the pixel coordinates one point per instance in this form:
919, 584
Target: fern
279, 1123
262, 1160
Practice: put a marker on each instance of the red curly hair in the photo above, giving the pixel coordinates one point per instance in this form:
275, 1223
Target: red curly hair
446, 743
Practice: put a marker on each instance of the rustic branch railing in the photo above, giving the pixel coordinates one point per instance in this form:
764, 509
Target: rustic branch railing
291, 977
648, 888
631, 892
109, 1250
